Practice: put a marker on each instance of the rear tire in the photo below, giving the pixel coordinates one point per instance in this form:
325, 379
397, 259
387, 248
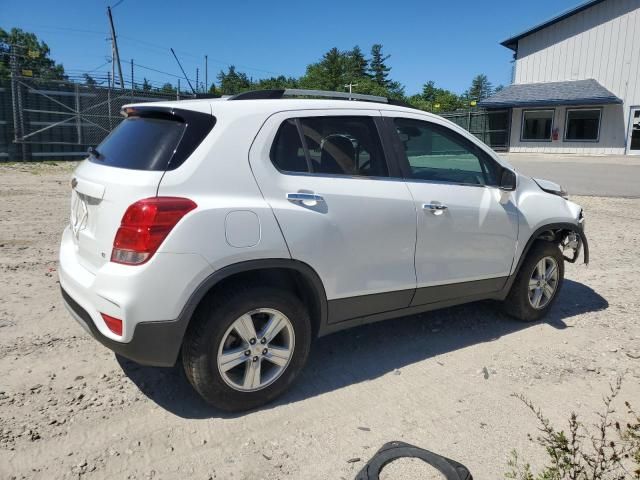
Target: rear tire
220, 337
533, 293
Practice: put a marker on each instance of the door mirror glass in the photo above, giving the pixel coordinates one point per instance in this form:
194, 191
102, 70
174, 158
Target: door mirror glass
508, 180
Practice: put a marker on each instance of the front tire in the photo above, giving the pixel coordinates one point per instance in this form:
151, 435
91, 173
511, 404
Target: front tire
246, 346
537, 284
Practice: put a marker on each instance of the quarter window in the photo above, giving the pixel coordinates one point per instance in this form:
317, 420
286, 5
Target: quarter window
583, 125
287, 152
438, 154
332, 145
537, 124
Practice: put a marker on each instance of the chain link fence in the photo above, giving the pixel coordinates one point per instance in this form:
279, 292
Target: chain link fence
493, 127
59, 120
49, 119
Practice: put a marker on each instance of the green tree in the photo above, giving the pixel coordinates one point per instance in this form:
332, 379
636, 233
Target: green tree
275, 83
378, 69
480, 89
356, 64
146, 86
232, 81
167, 88
31, 54
435, 99
337, 69
328, 73
430, 91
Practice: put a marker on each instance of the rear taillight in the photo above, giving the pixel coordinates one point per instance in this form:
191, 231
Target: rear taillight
144, 227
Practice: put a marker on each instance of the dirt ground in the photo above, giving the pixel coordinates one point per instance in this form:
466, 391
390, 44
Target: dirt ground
443, 381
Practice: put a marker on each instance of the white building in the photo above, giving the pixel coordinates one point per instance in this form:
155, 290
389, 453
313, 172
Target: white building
576, 82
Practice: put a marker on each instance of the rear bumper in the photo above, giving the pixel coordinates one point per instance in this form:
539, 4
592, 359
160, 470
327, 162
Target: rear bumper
153, 343
152, 300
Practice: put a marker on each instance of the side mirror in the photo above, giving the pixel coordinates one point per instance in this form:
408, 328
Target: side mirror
508, 180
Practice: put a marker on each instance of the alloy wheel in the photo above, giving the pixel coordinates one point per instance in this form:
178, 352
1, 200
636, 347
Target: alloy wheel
256, 349
543, 282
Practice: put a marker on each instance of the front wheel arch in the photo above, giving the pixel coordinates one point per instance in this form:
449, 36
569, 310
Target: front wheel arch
555, 233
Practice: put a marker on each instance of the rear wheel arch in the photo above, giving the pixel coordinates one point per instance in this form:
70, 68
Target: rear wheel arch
291, 275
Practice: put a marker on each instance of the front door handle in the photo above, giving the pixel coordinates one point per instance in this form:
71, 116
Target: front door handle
436, 208
305, 198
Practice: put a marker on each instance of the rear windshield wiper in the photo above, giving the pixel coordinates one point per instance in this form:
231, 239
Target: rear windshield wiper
95, 153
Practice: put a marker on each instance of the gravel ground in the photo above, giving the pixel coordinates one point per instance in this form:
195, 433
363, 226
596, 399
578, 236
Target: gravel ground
69, 408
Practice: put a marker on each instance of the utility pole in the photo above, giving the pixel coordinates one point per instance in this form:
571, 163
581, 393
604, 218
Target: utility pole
114, 43
113, 66
132, 82
16, 100
197, 84
182, 69
206, 74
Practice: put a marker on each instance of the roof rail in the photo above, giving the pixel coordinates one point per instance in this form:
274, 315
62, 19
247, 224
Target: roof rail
298, 92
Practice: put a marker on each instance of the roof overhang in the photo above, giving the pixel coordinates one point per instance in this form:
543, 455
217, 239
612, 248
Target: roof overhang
578, 92
512, 43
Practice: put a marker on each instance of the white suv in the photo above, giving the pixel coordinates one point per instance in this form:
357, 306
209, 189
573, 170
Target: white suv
231, 232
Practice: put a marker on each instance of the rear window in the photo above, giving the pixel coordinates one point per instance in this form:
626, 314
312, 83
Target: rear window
154, 141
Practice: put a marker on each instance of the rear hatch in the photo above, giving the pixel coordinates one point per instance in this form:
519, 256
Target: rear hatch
126, 167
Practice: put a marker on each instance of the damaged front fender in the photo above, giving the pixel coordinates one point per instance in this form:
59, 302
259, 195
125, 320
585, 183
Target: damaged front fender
575, 240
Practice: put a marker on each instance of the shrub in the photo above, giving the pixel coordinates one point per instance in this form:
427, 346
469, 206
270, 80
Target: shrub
606, 450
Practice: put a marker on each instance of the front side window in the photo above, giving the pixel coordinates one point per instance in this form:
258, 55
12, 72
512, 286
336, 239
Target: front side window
537, 125
583, 125
332, 145
438, 154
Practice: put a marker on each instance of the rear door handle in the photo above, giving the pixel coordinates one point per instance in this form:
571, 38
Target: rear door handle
436, 208
306, 198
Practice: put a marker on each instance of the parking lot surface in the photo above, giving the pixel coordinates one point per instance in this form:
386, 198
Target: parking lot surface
596, 175
443, 380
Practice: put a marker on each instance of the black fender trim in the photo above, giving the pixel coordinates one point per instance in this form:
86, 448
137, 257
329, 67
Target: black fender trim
583, 245
281, 263
158, 343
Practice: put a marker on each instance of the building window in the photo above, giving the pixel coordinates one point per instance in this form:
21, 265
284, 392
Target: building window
536, 125
583, 125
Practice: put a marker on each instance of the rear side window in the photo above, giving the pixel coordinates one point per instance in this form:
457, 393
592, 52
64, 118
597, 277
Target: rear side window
154, 141
330, 145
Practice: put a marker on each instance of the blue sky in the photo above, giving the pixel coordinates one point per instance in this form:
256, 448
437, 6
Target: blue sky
445, 41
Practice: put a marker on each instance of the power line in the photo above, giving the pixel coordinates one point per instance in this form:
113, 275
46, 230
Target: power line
159, 71
163, 48
65, 29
